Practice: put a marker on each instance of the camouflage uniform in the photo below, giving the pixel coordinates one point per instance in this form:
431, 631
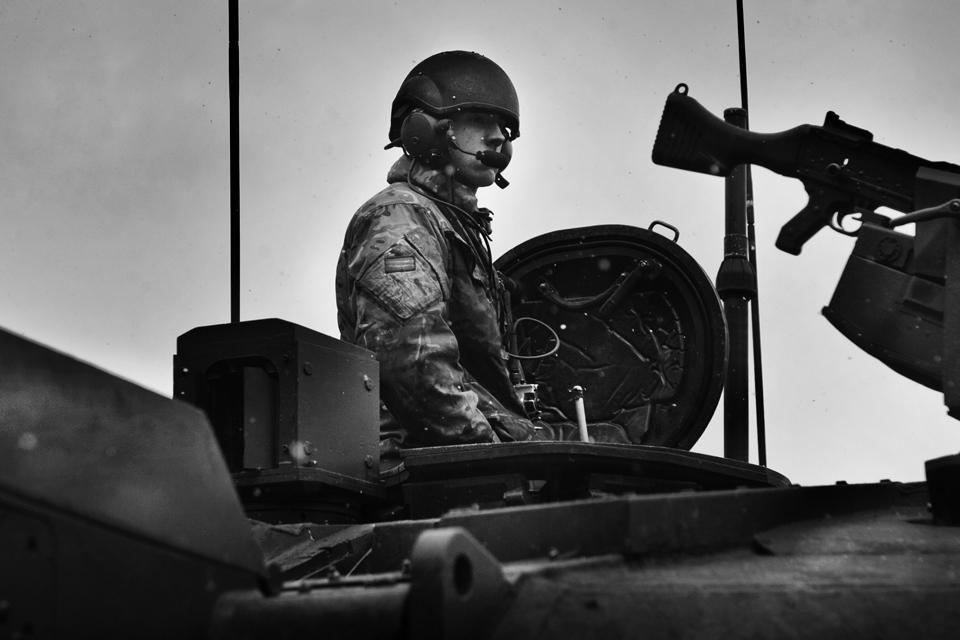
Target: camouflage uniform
415, 286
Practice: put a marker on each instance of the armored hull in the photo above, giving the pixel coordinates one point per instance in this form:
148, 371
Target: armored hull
119, 518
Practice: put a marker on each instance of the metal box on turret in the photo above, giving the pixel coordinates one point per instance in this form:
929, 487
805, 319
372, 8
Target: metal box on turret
291, 408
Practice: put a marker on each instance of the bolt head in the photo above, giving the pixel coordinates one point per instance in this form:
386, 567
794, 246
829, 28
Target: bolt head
888, 250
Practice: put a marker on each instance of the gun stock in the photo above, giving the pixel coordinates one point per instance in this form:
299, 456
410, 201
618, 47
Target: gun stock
693, 139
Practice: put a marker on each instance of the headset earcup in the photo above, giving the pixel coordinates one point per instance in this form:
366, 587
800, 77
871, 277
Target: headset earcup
422, 137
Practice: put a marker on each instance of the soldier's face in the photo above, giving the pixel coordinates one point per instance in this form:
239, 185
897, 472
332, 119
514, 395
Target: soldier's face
475, 132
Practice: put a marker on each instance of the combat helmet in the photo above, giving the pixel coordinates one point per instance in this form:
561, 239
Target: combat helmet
454, 80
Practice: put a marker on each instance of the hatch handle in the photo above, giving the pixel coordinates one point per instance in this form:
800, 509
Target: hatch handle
676, 232
612, 296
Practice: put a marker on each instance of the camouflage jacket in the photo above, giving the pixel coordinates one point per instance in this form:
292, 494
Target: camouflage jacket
415, 285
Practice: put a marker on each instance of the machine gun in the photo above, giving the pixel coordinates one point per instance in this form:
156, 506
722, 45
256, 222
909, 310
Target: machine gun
842, 169
899, 295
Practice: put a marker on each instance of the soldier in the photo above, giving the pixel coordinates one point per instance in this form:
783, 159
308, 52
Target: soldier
415, 281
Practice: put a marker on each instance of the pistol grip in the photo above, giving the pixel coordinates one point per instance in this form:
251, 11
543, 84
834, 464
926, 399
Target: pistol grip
813, 217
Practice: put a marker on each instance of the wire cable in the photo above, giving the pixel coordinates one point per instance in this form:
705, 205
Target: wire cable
556, 339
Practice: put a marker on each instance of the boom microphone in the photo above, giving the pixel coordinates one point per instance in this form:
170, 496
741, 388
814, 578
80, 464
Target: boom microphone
493, 159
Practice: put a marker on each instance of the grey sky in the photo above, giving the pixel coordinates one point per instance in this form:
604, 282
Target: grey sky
114, 169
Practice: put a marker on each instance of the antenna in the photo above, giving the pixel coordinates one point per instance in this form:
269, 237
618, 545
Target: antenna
233, 56
741, 40
737, 285
752, 244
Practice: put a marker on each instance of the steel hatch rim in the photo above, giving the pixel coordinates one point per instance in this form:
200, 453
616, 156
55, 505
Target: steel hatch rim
451, 461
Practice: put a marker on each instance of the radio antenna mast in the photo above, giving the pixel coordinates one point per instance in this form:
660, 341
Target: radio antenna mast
233, 56
752, 243
737, 286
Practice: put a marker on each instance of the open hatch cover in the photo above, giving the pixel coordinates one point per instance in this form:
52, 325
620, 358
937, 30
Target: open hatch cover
640, 325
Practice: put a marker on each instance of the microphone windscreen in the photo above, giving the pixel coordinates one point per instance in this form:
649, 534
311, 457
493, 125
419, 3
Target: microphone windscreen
493, 159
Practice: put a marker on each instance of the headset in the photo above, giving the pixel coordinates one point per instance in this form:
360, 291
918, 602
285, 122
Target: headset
429, 140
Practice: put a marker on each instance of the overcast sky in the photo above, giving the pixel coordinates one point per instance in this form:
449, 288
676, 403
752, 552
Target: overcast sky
114, 160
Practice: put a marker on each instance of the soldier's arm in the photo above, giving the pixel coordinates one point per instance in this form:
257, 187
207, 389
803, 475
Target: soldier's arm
398, 269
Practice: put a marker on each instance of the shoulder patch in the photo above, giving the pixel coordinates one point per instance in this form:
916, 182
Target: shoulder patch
400, 257
402, 280
398, 264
